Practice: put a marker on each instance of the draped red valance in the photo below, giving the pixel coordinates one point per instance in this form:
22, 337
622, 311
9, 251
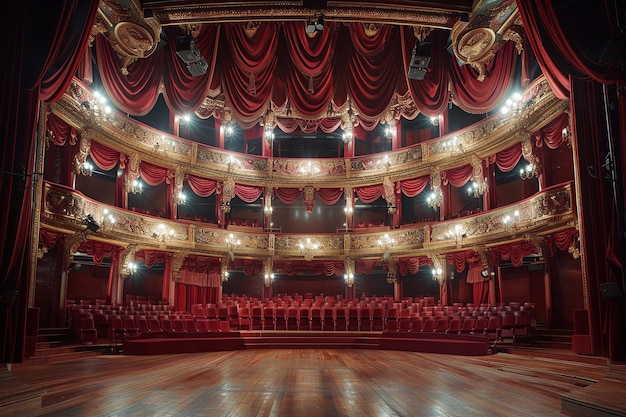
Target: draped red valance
552, 133
97, 250
412, 265
280, 65
562, 240
471, 260
61, 131
150, 257
365, 266
369, 193
248, 193
200, 279
153, 174
327, 268
48, 238
106, 158
201, 264
287, 195
513, 252
414, 186
507, 159
457, 176
327, 195
202, 187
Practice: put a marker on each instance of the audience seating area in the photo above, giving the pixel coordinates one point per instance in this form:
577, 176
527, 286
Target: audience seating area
302, 313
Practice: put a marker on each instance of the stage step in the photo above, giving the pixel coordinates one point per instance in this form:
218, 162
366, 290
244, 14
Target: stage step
310, 339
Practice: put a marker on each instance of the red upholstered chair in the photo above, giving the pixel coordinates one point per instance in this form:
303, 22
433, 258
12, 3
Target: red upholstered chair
189, 325
178, 325
393, 314
224, 326
492, 331
256, 318
341, 319
468, 325
454, 326
521, 326
417, 325
202, 325
130, 329
581, 339
233, 317
292, 318
244, 318
87, 330
481, 325
268, 318
328, 319
506, 326
280, 318
442, 324
142, 324
429, 325
211, 313
213, 325
222, 313
304, 321
154, 325
316, 318
101, 321
391, 326
365, 319
378, 319
353, 319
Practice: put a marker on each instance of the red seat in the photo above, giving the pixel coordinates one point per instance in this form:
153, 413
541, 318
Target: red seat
189, 325
417, 325
154, 325
268, 318
256, 318
378, 319
506, 326
391, 326
224, 326
178, 325
429, 325
244, 318
468, 325
304, 322
365, 319
316, 318
166, 324
292, 318
353, 319
341, 319
492, 331
442, 325
213, 325
328, 319
481, 325
201, 325
142, 324
233, 317
87, 330
130, 329
454, 326
280, 318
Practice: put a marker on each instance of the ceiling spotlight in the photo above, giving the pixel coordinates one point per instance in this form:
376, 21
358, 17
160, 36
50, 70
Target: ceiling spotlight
310, 27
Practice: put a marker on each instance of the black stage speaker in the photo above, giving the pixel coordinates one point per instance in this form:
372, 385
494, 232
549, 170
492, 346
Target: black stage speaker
610, 290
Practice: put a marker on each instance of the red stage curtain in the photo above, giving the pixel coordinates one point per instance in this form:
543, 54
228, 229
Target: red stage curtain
201, 186
106, 158
200, 279
431, 95
507, 160
188, 295
411, 188
287, 195
475, 96
457, 176
137, 92
514, 252
154, 175
183, 92
552, 134
562, 240
97, 250
370, 193
558, 43
61, 131
248, 193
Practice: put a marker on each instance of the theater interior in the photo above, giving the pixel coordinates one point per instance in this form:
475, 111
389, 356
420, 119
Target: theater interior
410, 177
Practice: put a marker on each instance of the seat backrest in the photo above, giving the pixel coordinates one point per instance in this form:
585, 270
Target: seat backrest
224, 326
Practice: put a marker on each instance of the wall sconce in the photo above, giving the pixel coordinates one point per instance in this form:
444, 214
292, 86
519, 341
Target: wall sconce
225, 276
567, 136
309, 169
348, 210
392, 278
162, 234
515, 105
86, 169
231, 243
269, 136
348, 279
435, 199
107, 220
457, 233
385, 243
531, 171
438, 275
268, 279
98, 107
180, 198
347, 136
392, 208
129, 269
308, 248
478, 189
225, 206
227, 130
389, 133
511, 222
434, 121
135, 187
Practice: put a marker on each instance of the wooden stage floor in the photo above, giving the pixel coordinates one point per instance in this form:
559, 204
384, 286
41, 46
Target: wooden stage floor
311, 383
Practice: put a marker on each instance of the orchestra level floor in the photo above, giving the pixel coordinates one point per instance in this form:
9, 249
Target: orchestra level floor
311, 383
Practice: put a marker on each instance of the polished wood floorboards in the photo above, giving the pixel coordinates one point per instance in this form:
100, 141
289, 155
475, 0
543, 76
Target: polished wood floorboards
307, 383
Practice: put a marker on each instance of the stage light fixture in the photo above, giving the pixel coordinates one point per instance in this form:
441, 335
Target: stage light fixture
190, 55
420, 60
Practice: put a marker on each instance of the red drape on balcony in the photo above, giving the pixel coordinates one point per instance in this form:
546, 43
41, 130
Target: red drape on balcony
369, 193
150, 257
326, 268
154, 175
413, 187
552, 133
507, 159
97, 250
201, 186
329, 195
48, 238
412, 265
365, 266
457, 176
248, 193
106, 158
61, 131
562, 240
287, 195
513, 252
